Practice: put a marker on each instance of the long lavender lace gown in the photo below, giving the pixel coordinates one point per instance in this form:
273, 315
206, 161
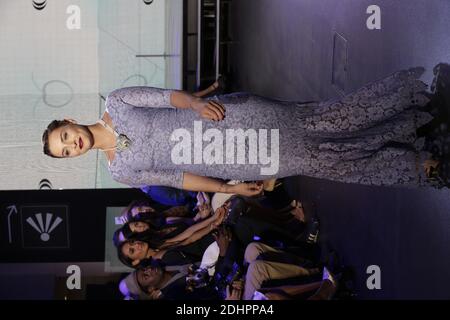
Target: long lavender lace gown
368, 137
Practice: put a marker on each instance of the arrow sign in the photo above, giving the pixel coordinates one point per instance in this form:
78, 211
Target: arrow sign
12, 209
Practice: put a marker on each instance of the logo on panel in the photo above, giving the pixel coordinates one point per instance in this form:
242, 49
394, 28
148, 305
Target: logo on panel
45, 226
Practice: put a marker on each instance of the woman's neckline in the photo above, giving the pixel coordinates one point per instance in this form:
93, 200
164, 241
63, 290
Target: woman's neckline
105, 119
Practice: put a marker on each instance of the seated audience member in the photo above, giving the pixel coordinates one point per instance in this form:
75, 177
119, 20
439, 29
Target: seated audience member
170, 283
267, 263
185, 247
252, 219
131, 290
316, 290
277, 208
154, 235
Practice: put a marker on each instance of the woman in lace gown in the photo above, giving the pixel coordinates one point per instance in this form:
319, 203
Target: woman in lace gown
368, 137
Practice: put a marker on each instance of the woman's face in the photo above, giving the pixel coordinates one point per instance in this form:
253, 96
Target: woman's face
138, 226
141, 209
71, 140
135, 250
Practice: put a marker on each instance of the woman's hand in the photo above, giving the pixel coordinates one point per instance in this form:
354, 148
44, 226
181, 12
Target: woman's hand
204, 211
220, 214
211, 110
247, 189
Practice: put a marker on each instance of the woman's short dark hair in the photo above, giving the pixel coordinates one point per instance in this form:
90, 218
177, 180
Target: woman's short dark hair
154, 219
135, 203
55, 124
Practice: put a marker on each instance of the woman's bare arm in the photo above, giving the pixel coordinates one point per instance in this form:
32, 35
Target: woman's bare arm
207, 109
196, 236
191, 230
176, 211
182, 99
194, 182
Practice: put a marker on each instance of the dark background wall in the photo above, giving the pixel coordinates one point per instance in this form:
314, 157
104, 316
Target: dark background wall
39, 272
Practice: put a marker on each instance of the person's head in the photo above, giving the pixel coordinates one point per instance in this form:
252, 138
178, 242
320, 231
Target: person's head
134, 230
132, 252
141, 284
138, 210
138, 226
66, 139
150, 279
